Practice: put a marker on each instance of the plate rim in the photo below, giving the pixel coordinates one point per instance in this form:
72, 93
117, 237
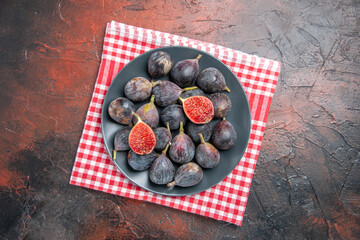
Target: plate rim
104, 110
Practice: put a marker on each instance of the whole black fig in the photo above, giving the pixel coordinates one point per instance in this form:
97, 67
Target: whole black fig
121, 139
121, 109
167, 92
193, 130
162, 170
163, 137
148, 113
140, 162
138, 89
207, 156
185, 72
211, 80
159, 64
187, 175
173, 114
224, 135
182, 149
222, 104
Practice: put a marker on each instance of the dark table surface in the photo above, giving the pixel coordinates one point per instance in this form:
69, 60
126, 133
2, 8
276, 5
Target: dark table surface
306, 183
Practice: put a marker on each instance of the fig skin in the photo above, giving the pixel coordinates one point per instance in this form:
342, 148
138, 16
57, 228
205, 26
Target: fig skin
138, 89
182, 149
224, 135
207, 156
187, 175
167, 93
193, 130
121, 109
148, 113
173, 114
222, 104
159, 64
211, 80
162, 170
185, 72
140, 162
163, 137
121, 139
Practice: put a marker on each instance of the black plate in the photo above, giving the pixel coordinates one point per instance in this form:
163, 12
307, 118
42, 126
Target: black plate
239, 117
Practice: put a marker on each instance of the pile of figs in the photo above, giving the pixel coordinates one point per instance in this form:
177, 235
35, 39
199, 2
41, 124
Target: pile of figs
180, 127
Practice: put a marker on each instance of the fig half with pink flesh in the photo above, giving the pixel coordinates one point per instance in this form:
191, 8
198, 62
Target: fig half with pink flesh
198, 109
142, 139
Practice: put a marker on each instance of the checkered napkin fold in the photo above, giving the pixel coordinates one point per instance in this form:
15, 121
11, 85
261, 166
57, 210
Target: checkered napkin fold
93, 167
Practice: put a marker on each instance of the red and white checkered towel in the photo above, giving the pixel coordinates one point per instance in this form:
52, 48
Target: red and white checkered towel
225, 201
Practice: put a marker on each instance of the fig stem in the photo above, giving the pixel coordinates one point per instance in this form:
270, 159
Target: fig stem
181, 129
114, 155
166, 148
190, 88
201, 138
153, 83
198, 57
148, 106
182, 100
152, 98
137, 117
171, 184
168, 126
224, 119
227, 89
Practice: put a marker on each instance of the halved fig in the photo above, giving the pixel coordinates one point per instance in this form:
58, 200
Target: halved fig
198, 109
142, 139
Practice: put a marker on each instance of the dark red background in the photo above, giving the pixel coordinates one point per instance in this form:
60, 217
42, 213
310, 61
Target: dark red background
306, 183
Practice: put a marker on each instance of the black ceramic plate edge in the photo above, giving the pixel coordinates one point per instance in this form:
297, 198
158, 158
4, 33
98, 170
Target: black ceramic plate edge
184, 191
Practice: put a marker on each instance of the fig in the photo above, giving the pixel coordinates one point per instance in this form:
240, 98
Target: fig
162, 170
173, 114
185, 72
120, 110
222, 104
148, 113
142, 139
163, 137
138, 89
140, 162
207, 156
159, 64
182, 149
211, 80
224, 135
190, 93
193, 131
121, 139
187, 175
167, 92
198, 109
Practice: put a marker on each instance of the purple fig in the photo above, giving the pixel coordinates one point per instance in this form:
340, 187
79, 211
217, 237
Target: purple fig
185, 72
187, 175
182, 149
